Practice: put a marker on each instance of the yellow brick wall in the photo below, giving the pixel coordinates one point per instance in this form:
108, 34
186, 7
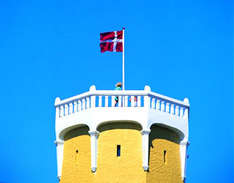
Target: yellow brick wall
128, 167
164, 169
76, 165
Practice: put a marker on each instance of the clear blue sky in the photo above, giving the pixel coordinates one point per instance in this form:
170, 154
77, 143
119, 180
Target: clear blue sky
51, 48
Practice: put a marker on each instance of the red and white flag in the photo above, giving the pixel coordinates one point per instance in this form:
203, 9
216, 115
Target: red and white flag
111, 41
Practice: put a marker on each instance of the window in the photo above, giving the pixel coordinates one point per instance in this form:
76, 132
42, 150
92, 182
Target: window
118, 150
164, 156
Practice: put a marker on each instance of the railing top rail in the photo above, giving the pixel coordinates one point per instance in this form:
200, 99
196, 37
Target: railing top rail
121, 93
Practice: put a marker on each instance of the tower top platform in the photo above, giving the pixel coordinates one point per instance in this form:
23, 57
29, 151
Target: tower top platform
144, 107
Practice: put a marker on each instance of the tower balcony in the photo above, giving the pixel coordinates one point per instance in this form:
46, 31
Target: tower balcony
140, 106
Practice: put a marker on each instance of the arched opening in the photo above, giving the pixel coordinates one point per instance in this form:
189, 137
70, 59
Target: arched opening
120, 152
164, 155
76, 156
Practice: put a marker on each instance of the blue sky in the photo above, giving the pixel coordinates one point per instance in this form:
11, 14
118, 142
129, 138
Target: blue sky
51, 48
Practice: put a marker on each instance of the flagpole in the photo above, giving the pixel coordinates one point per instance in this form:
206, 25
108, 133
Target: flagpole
123, 68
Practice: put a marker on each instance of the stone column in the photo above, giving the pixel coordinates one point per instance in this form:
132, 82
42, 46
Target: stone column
183, 158
145, 148
59, 148
94, 137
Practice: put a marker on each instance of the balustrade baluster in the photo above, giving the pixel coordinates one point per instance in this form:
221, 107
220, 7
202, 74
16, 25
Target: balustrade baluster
120, 101
70, 110
163, 106
125, 101
106, 101
83, 104
185, 113
181, 111
87, 103
113, 101
75, 106
132, 101
167, 107
177, 110
66, 109
79, 105
172, 109
100, 101
158, 104
153, 103
138, 101
61, 111
57, 112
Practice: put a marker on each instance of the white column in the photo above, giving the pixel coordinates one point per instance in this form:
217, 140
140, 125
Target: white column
94, 137
59, 148
145, 149
183, 158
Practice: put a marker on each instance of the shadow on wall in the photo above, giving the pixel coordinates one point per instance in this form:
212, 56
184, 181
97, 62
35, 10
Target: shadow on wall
119, 125
77, 132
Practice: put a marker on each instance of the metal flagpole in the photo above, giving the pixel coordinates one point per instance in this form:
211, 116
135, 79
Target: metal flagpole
123, 71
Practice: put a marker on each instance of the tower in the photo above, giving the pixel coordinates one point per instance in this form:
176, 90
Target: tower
142, 139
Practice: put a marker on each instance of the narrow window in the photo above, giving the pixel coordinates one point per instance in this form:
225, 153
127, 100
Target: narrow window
118, 150
164, 156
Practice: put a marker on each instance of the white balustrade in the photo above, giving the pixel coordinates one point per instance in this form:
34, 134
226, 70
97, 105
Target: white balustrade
125, 99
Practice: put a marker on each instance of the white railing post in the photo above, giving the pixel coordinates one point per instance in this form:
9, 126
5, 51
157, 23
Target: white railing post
167, 107
75, 106
132, 101
138, 101
147, 97
172, 109
106, 101
79, 105
181, 111
177, 110
153, 103
61, 110
100, 101
70, 108
83, 104
66, 109
186, 101
158, 104
57, 101
163, 106
87, 103
93, 97
113, 101
120, 101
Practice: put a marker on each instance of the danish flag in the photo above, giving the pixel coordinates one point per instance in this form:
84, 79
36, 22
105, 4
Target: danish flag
111, 41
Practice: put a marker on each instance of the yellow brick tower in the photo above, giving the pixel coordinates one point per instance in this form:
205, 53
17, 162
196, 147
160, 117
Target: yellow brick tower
141, 139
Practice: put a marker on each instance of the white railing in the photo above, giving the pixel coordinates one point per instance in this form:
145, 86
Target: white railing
128, 98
